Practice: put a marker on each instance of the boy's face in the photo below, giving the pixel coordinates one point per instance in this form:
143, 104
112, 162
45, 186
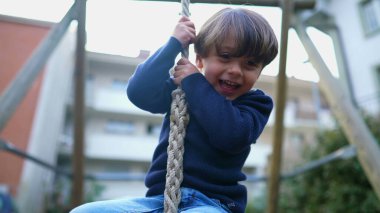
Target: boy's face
229, 75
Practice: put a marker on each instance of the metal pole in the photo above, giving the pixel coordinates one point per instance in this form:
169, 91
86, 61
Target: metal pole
281, 93
14, 150
79, 112
16, 91
342, 153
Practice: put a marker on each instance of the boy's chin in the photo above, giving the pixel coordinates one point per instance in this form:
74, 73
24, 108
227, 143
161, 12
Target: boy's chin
230, 98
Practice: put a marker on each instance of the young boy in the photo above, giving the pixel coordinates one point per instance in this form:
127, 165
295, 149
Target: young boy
226, 114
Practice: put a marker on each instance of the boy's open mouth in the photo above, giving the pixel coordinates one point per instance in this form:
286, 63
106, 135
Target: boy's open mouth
228, 87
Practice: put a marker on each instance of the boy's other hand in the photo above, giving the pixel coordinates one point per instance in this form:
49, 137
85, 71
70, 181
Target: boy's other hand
185, 31
183, 69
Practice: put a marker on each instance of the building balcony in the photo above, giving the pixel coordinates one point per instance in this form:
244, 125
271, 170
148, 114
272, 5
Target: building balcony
259, 155
109, 100
141, 148
304, 118
105, 99
114, 147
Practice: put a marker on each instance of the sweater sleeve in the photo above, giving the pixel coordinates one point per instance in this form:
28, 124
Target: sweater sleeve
231, 125
150, 86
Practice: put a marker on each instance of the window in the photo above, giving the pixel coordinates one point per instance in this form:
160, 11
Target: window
154, 129
297, 139
120, 127
118, 84
250, 170
370, 14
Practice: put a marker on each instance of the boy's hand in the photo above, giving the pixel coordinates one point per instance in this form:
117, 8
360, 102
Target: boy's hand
183, 69
184, 31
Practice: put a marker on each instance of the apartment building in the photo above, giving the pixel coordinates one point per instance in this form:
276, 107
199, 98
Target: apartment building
120, 138
354, 26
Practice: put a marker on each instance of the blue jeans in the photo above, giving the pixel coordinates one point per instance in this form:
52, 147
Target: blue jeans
191, 201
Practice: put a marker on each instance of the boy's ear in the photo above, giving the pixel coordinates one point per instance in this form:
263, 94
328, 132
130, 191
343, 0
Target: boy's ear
198, 61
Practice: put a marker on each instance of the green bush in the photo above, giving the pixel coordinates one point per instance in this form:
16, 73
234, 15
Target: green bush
59, 200
340, 186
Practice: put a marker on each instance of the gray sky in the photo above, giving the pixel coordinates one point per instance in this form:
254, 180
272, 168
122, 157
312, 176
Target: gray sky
123, 27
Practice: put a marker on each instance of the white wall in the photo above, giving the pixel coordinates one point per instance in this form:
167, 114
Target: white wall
362, 52
47, 125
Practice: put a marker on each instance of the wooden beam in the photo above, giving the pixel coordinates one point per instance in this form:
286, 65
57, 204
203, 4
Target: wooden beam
353, 125
298, 4
17, 89
280, 103
77, 192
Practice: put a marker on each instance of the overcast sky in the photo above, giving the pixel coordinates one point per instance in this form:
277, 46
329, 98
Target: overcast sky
125, 27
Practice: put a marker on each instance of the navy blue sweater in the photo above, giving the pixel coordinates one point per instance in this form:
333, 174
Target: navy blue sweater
219, 133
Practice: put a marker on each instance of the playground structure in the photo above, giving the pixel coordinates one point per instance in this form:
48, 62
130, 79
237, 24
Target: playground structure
348, 117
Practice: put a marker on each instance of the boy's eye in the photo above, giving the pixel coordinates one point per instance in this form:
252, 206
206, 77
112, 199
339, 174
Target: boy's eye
252, 63
225, 55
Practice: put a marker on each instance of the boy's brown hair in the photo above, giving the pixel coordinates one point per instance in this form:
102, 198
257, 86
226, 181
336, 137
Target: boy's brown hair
252, 34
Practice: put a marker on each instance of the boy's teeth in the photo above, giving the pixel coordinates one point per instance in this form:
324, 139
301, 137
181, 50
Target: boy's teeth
230, 83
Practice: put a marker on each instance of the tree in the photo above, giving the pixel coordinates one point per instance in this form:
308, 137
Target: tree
340, 186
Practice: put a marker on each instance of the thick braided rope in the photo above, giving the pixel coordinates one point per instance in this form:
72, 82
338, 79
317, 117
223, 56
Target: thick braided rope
179, 119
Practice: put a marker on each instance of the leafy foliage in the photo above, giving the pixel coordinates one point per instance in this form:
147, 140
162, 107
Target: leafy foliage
340, 186
58, 201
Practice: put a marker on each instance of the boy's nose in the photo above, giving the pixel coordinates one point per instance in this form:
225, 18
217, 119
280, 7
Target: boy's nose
235, 69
